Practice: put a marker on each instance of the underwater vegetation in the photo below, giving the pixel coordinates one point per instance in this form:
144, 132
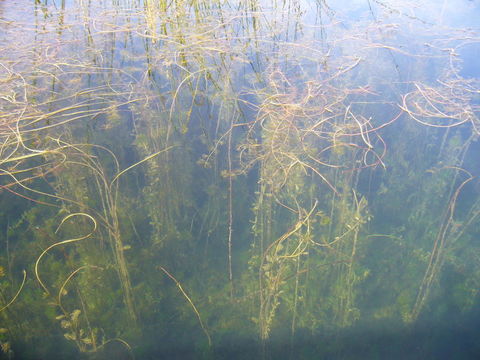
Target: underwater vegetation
212, 179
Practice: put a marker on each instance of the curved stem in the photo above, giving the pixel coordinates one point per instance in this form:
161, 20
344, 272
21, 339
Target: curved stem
63, 242
18, 292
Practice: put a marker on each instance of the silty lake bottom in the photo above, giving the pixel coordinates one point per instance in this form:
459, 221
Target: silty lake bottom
225, 179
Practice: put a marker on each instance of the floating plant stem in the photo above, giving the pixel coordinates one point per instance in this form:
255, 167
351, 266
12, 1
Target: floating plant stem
190, 302
18, 292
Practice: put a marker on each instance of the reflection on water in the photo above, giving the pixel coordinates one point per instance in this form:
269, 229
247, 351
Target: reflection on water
247, 179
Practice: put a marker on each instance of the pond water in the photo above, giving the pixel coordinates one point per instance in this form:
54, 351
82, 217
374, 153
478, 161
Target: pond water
216, 179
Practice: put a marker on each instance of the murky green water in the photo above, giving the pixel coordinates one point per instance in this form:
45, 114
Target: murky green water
239, 179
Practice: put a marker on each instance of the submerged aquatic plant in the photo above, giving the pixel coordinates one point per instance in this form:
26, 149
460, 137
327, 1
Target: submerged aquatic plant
270, 161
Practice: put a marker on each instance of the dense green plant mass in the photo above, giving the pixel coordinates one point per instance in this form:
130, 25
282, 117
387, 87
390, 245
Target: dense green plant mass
222, 179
